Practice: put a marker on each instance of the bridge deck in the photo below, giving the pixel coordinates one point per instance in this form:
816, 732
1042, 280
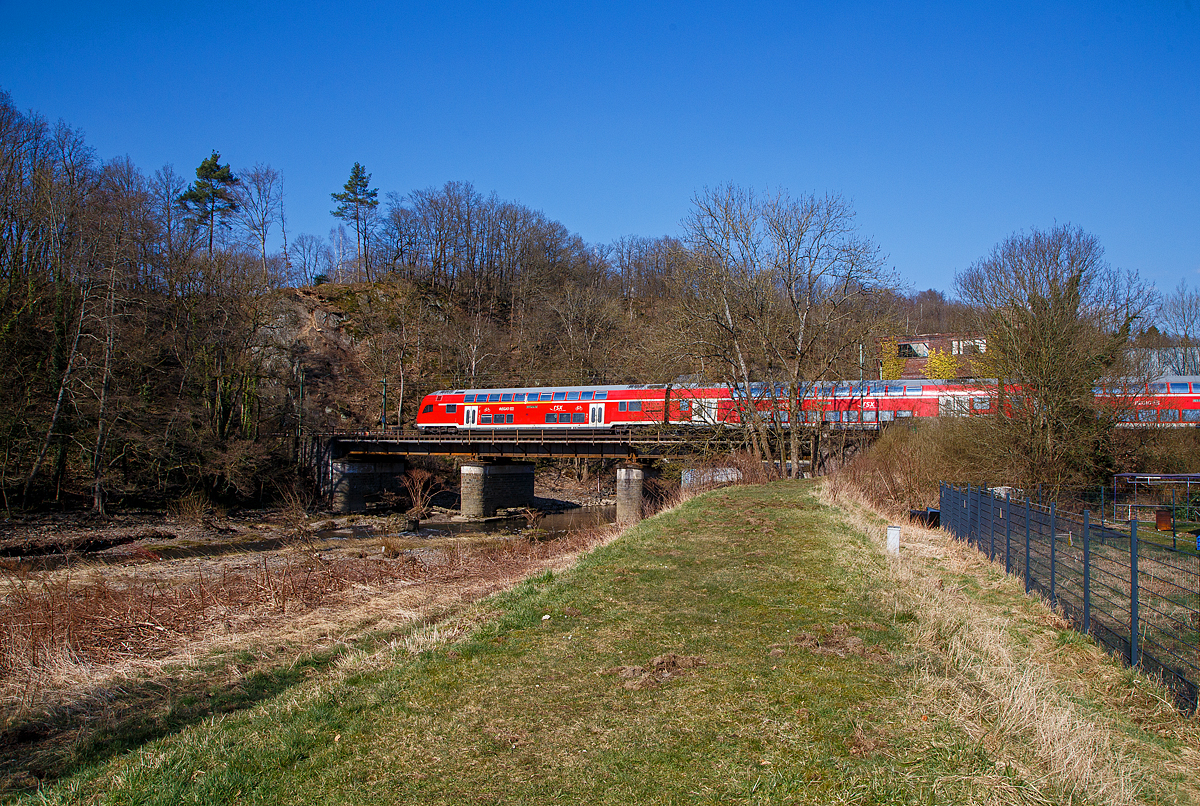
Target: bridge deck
515, 443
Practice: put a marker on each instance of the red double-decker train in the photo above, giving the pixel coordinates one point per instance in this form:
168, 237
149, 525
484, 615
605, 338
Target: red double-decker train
1168, 401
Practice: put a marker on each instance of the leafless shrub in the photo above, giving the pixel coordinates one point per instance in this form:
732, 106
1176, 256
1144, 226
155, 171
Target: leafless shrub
190, 508
421, 486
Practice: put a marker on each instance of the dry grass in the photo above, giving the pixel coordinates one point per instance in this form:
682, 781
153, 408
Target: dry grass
1022, 697
72, 641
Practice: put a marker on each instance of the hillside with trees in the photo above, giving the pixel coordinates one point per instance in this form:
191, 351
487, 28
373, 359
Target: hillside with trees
162, 334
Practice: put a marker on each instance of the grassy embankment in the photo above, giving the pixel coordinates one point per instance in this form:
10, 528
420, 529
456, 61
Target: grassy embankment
753, 645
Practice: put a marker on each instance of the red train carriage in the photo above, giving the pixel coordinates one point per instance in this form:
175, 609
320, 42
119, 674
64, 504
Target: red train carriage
1167, 401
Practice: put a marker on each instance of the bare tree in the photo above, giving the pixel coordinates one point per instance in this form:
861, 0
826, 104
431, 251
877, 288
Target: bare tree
259, 196
1179, 314
1057, 317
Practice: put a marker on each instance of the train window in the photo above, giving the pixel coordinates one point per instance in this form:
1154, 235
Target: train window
1127, 417
560, 395
579, 417
485, 419
506, 398
551, 417
635, 405
519, 398
914, 390
833, 416
887, 416
545, 396
469, 399
508, 418
572, 395
980, 403
495, 398
602, 395
1169, 415
852, 416
895, 389
869, 416
585, 395
564, 417
1098, 390
1158, 388
904, 413
1191, 415
1179, 388
812, 416
451, 408
876, 388
1147, 415
622, 406
685, 405
428, 408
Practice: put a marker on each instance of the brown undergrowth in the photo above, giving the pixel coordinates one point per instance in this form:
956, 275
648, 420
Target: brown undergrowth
79, 646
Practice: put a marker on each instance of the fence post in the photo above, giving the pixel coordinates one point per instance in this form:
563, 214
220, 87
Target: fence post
991, 526
1053, 543
1008, 532
1133, 593
1101, 504
1087, 571
1027, 545
968, 535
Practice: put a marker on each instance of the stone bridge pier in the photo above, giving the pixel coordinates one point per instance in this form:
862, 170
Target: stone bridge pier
488, 486
629, 493
350, 483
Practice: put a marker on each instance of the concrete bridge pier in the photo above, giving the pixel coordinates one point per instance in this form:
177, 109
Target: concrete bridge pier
351, 482
629, 494
488, 486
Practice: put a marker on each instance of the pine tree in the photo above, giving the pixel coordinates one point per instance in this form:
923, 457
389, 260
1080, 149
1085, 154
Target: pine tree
210, 198
356, 205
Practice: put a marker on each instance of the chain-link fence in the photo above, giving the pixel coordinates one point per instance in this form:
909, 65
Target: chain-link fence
1140, 599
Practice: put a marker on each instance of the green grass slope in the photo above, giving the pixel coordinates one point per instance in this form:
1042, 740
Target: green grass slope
751, 646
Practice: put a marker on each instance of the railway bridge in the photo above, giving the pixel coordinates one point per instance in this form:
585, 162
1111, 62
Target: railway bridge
498, 467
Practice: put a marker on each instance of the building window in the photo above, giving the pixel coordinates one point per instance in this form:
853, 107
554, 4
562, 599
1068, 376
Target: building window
915, 349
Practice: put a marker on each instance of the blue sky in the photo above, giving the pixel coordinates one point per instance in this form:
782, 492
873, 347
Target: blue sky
949, 126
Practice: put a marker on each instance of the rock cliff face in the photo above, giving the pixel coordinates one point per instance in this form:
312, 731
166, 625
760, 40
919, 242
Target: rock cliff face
306, 341
342, 347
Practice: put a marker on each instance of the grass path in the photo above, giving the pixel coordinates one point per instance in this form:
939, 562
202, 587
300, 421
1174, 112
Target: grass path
739, 648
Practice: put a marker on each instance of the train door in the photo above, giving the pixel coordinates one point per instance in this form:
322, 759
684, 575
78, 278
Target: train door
596, 416
470, 416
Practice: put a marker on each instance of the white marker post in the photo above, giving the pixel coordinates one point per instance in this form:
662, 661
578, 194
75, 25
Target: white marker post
893, 534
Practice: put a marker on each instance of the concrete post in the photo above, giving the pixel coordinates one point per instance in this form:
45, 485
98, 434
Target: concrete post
629, 494
487, 486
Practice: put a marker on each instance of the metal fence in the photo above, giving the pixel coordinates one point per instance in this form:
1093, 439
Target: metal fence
1137, 598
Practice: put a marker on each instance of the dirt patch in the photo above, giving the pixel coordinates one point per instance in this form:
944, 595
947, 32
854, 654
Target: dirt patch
659, 670
837, 640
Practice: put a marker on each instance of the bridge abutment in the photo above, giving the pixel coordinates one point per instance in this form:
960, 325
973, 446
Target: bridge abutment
488, 486
629, 494
351, 482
